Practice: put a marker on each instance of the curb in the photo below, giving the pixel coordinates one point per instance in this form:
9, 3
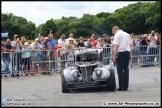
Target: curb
34, 74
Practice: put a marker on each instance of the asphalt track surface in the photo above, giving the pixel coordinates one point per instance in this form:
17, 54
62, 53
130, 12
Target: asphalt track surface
144, 88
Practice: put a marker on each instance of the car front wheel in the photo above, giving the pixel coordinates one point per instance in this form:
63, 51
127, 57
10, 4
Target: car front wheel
111, 86
63, 83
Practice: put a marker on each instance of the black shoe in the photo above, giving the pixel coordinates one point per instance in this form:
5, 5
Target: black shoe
120, 89
125, 88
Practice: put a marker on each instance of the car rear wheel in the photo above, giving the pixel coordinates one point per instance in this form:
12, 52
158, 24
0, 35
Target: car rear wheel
111, 86
63, 83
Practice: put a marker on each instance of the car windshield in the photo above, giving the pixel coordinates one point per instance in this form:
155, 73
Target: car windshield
87, 57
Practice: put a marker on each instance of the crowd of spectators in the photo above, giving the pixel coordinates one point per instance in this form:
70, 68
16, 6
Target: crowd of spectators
37, 51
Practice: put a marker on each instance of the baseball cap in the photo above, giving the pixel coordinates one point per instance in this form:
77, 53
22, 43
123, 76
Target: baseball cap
36, 39
99, 38
26, 43
62, 35
46, 38
104, 35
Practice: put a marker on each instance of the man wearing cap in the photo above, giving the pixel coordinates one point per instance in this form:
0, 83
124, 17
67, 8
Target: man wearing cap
17, 56
44, 55
106, 44
35, 46
93, 40
122, 50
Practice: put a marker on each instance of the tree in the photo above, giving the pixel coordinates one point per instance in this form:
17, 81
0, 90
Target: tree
50, 24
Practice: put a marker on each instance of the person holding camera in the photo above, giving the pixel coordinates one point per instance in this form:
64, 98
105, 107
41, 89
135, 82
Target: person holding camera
106, 44
144, 46
17, 55
152, 46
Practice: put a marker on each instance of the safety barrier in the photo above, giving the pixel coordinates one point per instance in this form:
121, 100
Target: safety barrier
50, 62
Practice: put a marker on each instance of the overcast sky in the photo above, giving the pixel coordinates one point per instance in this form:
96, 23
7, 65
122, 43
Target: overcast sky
40, 12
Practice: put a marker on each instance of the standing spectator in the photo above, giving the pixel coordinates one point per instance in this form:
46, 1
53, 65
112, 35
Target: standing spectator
45, 45
144, 47
22, 40
70, 36
71, 46
62, 43
122, 50
17, 56
89, 44
135, 51
153, 46
99, 43
41, 38
132, 37
93, 40
51, 32
158, 45
106, 44
35, 46
56, 55
81, 43
57, 51
26, 57
52, 44
6, 55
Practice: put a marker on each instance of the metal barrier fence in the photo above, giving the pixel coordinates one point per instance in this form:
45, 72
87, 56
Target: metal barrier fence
23, 63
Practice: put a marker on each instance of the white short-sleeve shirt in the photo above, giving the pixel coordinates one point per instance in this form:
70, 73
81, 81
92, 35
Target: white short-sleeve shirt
123, 39
34, 46
17, 46
63, 43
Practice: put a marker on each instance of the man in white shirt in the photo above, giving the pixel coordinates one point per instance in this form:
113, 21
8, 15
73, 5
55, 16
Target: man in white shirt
122, 50
62, 42
35, 54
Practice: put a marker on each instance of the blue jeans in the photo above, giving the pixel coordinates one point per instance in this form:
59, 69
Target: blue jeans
7, 62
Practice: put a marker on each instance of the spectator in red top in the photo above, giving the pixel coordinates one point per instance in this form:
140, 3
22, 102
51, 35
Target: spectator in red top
93, 41
55, 48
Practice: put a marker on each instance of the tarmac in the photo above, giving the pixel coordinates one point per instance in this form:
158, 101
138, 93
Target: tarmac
42, 90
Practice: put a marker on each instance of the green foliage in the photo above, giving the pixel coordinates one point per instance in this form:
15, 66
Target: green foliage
138, 18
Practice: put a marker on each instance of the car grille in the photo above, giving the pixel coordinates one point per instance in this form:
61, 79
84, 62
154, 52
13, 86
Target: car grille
86, 73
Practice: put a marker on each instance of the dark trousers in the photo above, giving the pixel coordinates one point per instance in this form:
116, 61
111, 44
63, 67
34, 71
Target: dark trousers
26, 61
122, 68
